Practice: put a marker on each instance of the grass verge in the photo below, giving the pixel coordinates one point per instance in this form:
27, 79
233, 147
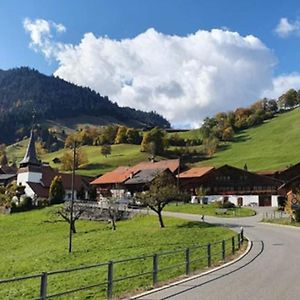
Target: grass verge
209, 210
33, 242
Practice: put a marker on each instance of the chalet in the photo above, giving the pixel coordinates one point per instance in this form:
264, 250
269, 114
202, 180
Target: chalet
141, 181
114, 182
290, 188
36, 177
190, 180
238, 186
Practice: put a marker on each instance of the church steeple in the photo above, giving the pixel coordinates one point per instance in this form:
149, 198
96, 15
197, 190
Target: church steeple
30, 157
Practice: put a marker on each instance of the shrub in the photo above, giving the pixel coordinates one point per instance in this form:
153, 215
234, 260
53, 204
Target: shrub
228, 204
297, 214
26, 203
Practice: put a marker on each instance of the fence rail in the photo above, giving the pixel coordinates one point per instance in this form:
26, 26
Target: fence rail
216, 251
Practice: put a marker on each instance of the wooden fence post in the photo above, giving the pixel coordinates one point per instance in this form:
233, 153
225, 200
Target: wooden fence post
110, 280
187, 261
208, 255
155, 269
43, 288
223, 250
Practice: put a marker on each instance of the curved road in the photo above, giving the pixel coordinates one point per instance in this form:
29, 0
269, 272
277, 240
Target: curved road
270, 271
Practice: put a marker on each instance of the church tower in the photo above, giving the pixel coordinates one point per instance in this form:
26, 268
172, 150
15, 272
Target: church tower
30, 167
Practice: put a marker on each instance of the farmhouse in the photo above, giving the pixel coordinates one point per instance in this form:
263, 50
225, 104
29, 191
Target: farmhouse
238, 186
117, 182
141, 181
36, 177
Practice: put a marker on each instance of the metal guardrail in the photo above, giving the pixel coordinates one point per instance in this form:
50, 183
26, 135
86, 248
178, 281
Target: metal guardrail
233, 244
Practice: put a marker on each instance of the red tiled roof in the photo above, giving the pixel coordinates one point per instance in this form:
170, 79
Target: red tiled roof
171, 164
195, 172
118, 175
121, 174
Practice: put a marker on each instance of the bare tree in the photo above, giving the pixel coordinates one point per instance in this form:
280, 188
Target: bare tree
65, 213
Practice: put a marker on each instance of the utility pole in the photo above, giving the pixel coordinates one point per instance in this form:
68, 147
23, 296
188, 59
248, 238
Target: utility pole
72, 197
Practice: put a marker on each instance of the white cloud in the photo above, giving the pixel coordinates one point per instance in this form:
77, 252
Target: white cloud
286, 28
41, 34
281, 84
183, 78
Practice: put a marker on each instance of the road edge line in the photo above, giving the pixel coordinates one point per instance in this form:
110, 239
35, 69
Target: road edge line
249, 246
280, 225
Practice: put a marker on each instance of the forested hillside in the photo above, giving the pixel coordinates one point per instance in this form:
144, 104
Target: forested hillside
24, 90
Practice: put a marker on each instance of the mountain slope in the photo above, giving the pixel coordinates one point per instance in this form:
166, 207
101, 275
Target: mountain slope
24, 90
270, 146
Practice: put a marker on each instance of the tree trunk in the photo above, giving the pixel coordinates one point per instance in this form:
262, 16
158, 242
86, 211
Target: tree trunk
73, 227
161, 222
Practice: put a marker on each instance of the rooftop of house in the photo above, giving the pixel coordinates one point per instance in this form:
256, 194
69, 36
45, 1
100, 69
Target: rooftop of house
144, 176
118, 175
122, 173
195, 172
7, 176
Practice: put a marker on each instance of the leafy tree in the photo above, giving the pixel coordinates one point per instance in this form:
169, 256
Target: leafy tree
3, 160
288, 99
210, 146
56, 191
121, 137
228, 134
162, 191
67, 159
106, 150
157, 137
133, 136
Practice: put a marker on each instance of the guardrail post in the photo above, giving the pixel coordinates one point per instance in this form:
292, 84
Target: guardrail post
187, 261
208, 255
43, 288
155, 269
239, 240
223, 250
110, 280
233, 245
242, 235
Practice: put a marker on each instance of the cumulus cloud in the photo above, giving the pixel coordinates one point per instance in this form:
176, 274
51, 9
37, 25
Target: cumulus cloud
184, 78
286, 28
281, 84
41, 34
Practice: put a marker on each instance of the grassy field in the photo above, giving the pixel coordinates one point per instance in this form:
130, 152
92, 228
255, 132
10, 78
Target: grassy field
271, 146
209, 210
193, 134
32, 242
123, 154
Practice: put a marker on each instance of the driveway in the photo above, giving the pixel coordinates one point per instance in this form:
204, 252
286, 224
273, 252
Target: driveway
270, 271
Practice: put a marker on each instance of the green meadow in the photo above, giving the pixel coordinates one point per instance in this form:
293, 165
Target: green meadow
35, 241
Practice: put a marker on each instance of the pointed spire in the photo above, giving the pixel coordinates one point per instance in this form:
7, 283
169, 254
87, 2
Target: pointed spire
30, 157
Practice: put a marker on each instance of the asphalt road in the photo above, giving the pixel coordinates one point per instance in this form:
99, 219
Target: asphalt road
270, 271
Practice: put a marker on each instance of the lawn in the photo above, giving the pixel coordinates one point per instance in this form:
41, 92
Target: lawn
270, 146
32, 242
209, 210
122, 154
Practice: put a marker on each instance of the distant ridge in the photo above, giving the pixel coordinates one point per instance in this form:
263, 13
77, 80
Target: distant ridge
23, 90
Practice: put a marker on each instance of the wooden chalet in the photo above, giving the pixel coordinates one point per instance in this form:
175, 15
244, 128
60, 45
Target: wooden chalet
236, 185
116, 181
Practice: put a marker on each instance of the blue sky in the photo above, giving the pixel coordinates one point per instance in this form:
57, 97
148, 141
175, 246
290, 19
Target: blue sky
126, 19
